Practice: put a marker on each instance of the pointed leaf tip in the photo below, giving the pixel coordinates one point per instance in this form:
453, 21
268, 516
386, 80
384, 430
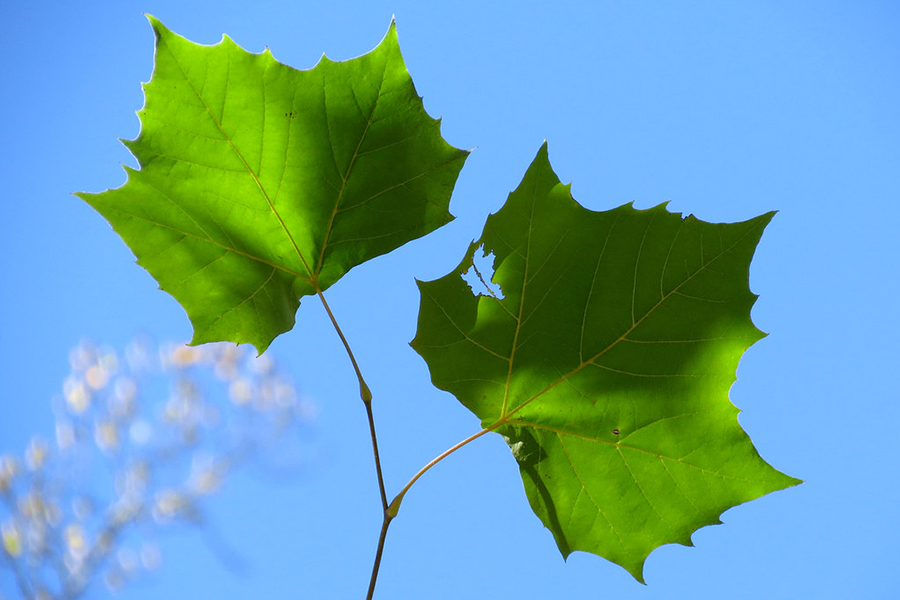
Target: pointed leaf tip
156, 24
391, 33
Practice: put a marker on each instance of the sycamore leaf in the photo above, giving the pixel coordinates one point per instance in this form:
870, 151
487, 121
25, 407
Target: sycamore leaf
605, 359
260, 184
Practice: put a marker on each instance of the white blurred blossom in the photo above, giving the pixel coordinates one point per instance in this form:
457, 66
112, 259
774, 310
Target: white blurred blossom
12, 538
8, 470
36, 453
169, 424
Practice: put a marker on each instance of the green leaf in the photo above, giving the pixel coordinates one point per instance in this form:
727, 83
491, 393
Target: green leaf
605, 360
260, 184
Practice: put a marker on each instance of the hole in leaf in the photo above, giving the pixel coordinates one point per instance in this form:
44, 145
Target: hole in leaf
480, 275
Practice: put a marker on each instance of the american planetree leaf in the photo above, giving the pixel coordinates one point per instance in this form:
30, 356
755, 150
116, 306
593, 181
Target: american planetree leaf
260, 184
605, 360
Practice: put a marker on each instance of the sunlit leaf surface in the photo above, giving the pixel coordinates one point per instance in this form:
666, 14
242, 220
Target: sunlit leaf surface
260, 184
603, 349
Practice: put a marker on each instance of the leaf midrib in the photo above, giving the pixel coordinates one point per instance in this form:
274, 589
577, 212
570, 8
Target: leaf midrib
259, 185
624, 335
518, 316
312, 277
337, 202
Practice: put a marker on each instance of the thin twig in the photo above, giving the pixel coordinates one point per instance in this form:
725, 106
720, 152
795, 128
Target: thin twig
384, 528
384, 502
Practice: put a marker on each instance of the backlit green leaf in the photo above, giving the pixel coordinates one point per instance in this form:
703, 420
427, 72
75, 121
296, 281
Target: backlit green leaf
260, 184
605, 360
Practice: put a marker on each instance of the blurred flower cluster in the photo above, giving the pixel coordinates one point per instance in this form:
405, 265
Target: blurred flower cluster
168, 424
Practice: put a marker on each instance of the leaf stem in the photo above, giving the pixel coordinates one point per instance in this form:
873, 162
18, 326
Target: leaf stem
391, 511
365, 395
394, 507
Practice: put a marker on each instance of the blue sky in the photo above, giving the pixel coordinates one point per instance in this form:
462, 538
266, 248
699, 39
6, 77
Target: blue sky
725, 110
